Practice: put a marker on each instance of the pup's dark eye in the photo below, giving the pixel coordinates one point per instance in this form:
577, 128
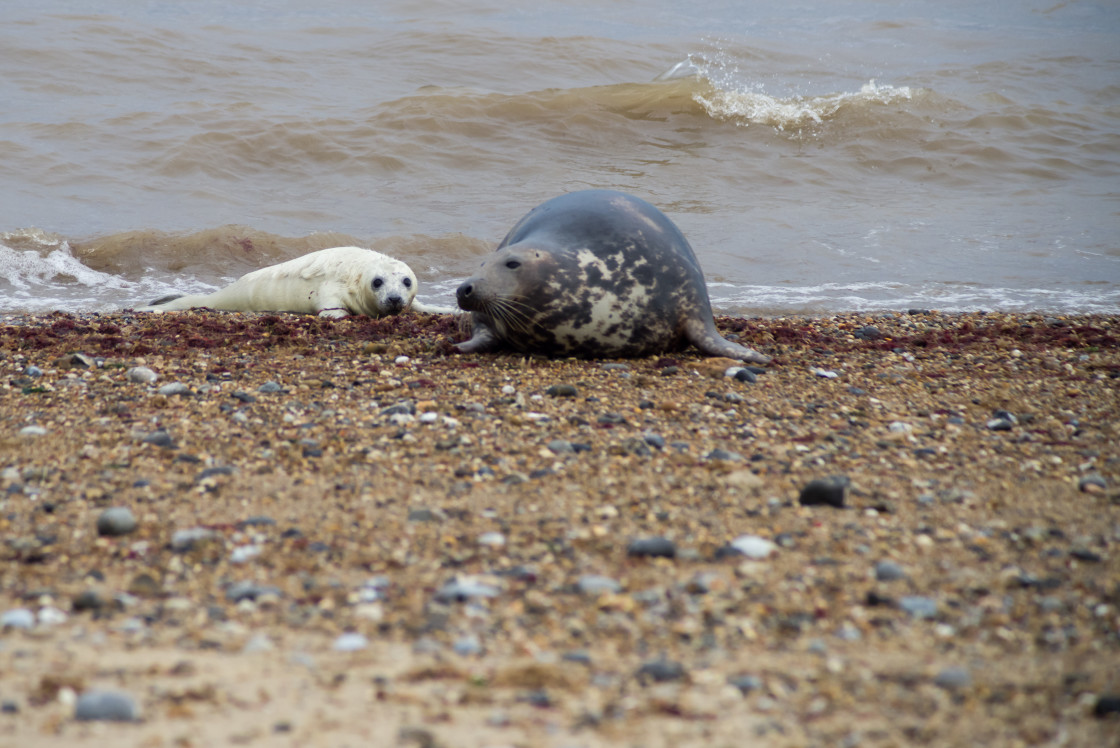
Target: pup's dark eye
407, 282
513, 264
378, 283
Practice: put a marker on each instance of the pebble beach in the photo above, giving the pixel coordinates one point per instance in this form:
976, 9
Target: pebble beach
261, 529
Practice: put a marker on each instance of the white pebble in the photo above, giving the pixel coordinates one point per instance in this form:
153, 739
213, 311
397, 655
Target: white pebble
142, 375
753, 546
33, 431
18, 618
350, 642
509, 389
401, 360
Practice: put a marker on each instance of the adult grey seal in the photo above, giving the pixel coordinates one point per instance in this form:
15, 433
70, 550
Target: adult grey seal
334, 282
593, 274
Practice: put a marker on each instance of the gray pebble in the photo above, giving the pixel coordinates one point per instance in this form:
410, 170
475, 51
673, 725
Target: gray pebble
33, 371
1000, 424
746, 683
461, 590
174, 388
239, 591
113, 706
9, 707
185, 540
270, 387
655, 547
17, 618
142, 375
33, 430
159, 438
953, 678
561, 446
660, 671
1092, 484
919, 607
723, 454
467, 646
116, 521
594, 584
562, 390
654, 440
888, 571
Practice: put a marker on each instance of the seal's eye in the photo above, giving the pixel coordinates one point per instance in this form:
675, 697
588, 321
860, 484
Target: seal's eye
407, 282
377, 283
513, 264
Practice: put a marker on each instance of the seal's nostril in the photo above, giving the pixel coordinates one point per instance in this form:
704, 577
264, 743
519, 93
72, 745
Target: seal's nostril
464, 291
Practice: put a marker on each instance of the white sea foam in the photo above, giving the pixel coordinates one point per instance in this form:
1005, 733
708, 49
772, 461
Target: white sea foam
39, 272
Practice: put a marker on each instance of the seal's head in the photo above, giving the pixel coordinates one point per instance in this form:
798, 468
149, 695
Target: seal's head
388, 287
509, 290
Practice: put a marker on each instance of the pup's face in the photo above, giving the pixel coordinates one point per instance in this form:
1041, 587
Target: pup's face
393, 287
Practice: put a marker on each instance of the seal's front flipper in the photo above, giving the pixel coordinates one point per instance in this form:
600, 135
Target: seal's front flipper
482, 339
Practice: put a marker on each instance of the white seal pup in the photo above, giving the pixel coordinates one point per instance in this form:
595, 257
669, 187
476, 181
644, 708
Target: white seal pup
334, 282
595, 273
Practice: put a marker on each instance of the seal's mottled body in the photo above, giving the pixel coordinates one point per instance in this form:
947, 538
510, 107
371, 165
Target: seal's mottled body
593, 274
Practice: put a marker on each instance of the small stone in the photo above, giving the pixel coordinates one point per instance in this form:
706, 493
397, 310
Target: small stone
142, 375
953, 678
463, 589
746, 683
159, 438
870, 332
654, 440
828, 491
113, 706
51, 616
9, 707
174, 388
562, 390
350, 642
239, 591
185, 540
888, 571
467, 646
753, 546
87, 600
17, 618
33, 430
724, 456
655, 547
824, 373
258, 643
270, 387
33, 371
1092, 484
919, 607
745, 375
116, 521
492, 539
1000, 424
561, 446
594, 584
1107, 704
660, 671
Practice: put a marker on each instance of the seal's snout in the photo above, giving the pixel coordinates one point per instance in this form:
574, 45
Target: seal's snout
394, 303
465, 294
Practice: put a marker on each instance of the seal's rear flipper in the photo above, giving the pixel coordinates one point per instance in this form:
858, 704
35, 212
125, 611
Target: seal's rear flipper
165, 299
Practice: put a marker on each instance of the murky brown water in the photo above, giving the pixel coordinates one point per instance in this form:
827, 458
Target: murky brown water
819, 155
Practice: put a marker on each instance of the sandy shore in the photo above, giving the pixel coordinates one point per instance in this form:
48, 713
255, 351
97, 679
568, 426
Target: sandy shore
346, 534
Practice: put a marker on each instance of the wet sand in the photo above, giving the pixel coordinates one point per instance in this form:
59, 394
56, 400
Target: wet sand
476, 529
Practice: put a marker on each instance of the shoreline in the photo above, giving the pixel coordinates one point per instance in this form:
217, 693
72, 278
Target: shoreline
473, 520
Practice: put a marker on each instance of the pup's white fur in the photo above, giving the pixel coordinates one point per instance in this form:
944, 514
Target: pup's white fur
333, 282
